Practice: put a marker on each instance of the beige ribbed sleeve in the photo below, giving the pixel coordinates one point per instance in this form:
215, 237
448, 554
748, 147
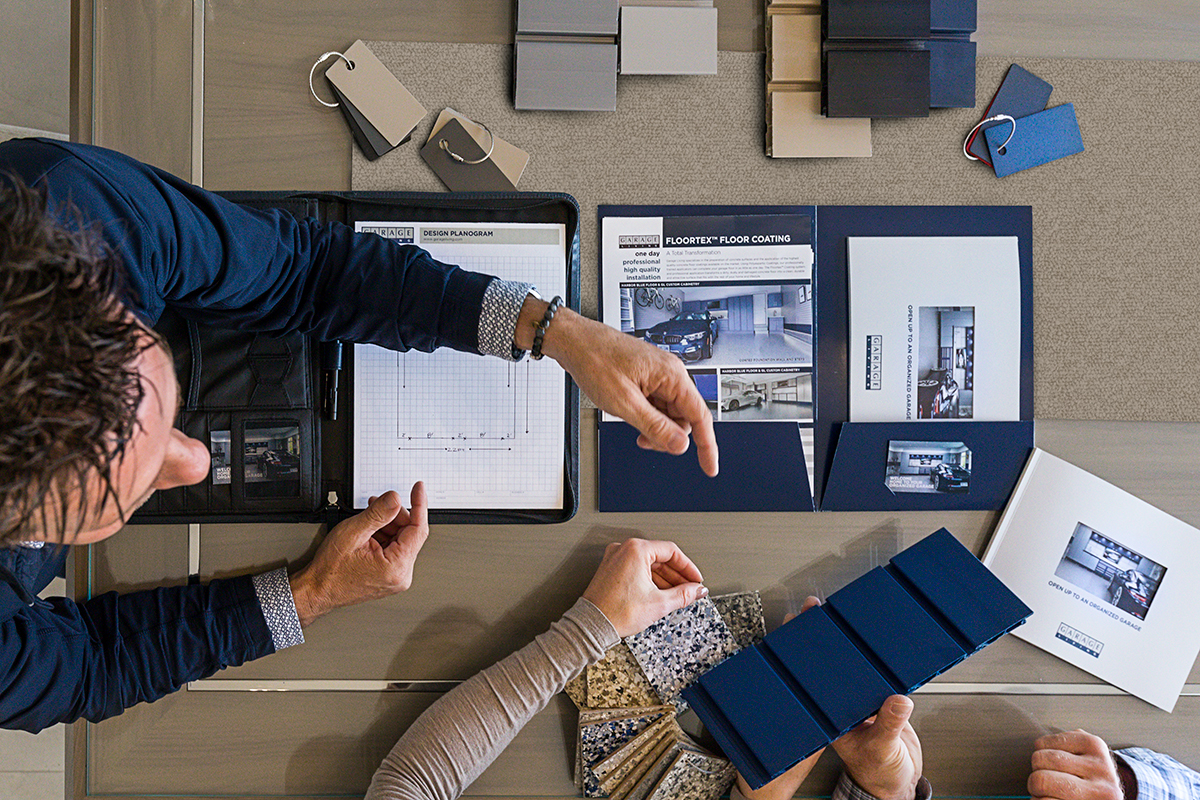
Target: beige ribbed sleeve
456, 739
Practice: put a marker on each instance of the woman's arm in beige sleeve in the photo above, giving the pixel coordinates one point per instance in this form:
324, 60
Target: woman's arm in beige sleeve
455, 740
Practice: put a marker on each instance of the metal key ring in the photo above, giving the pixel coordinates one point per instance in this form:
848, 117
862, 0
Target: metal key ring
442, 143
311, 72
982, 122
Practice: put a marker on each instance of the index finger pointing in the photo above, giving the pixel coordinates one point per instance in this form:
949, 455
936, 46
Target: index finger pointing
690, 406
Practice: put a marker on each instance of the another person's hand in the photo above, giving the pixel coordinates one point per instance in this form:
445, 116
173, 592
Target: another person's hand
1074, 765
367, 556
643, 385
883, 754
639, 582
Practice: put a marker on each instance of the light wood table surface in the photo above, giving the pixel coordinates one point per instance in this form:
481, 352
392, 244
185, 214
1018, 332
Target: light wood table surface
215, 92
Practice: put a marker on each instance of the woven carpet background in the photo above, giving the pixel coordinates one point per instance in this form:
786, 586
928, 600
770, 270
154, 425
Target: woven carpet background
1116, 229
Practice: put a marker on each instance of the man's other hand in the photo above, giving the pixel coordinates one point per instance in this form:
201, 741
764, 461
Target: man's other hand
639, 582
647, 387
1074, 765
883, 754
367, 556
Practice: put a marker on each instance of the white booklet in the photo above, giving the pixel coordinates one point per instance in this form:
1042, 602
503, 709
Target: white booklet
935, 328
1113, 582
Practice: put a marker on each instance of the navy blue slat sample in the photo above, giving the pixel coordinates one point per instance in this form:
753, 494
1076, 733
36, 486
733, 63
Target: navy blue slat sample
838, 680
951, 73
765, 714
876, 83
908, 642
877, 19
839, 659
953, 16
966, 594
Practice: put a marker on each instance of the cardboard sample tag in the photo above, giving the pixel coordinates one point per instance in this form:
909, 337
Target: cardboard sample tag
1039, 139
376, 94
458, 176
1021, 94
509, 158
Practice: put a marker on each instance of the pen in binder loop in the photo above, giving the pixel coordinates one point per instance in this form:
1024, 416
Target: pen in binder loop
317, 63
442, 143
981, 123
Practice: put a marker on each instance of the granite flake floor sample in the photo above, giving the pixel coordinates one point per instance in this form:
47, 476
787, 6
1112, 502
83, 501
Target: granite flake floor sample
625, 761
600, 739
576, 689
653, 774
743, 614
616, 681
587, 716
682, 646
695, 776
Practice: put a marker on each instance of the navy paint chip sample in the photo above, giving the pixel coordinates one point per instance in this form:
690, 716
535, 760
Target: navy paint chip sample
828, 669
951, 73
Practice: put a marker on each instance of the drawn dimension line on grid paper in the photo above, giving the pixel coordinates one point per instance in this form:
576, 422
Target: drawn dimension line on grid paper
504, 415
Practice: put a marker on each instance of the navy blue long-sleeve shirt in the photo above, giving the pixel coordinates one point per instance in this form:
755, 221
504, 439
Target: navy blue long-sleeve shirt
224, 265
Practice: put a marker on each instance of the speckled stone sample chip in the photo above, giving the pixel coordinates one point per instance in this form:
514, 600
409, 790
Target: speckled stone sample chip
681, 646
743, 614
616, 681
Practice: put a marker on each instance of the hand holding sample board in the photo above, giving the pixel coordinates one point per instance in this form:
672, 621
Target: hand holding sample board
1111, 578
822, 673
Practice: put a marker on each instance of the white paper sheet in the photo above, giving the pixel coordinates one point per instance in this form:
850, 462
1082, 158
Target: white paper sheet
935, 328
481, 432
1067, 541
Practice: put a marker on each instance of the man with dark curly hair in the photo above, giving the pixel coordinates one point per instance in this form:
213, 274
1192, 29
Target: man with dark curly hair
94, 246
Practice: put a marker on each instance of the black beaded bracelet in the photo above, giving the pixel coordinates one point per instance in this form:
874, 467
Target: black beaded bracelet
536, 351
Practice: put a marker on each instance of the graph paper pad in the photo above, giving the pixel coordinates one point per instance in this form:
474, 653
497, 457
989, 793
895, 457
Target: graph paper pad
481, 432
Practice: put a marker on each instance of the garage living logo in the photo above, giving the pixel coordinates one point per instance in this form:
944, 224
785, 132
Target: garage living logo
874, 363
647, 241
1079, 639
401, 234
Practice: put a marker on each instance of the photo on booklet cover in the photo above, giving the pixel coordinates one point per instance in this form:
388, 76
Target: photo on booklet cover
928, 467
1109, 571
945, 362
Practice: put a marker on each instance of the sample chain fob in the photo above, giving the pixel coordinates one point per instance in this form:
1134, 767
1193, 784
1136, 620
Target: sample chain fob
380, 111
1038, 139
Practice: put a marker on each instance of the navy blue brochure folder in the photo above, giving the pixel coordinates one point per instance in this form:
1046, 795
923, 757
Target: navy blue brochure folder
830, 668
764, 466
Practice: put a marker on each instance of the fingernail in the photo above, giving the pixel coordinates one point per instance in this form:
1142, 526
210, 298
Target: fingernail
702, 593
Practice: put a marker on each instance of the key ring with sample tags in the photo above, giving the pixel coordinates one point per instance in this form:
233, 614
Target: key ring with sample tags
442, 143
311, 72
982, 122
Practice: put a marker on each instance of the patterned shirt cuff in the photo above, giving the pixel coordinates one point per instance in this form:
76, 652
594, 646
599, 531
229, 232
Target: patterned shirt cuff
847, 789
279, 608
502, 301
